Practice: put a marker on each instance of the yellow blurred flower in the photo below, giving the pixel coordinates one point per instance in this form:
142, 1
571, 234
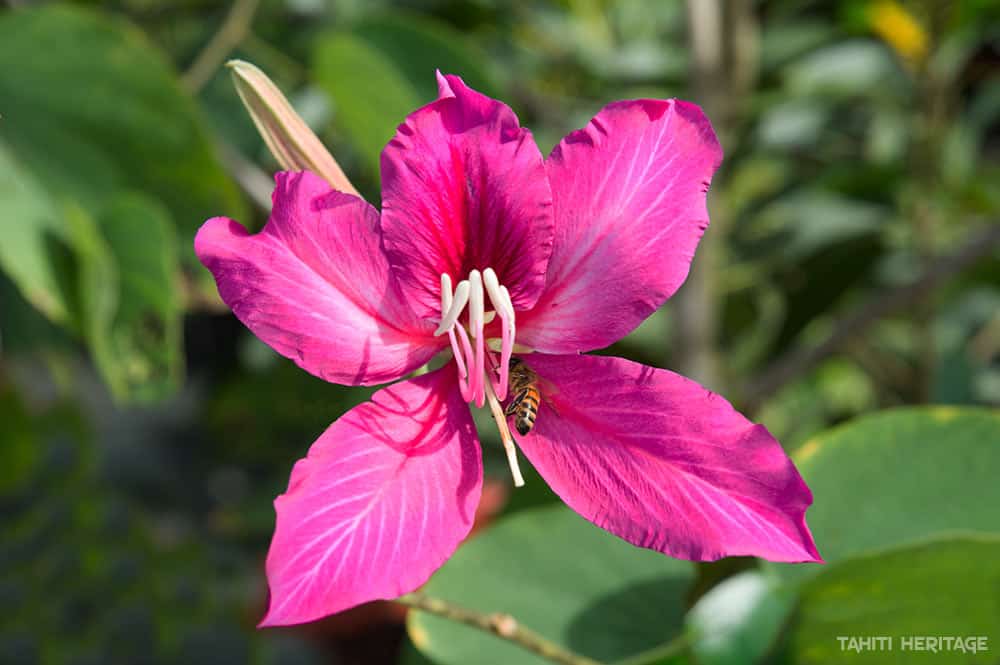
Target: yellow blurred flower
898, 28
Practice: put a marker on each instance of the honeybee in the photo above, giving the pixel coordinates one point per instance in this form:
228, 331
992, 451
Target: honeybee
526, 396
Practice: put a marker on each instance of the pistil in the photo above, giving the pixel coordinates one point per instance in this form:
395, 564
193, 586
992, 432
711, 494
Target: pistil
508, 441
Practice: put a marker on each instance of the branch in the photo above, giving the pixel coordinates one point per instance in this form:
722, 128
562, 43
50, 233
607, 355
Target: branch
233, 30
502, 625
798, 361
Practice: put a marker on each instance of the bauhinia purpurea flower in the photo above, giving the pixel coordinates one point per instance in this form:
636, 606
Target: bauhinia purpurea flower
489, 251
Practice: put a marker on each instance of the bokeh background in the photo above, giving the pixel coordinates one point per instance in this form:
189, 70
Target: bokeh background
850, 280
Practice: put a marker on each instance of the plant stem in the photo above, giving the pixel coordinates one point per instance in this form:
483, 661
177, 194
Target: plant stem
723, 40
695, 320
500, 624
233, 30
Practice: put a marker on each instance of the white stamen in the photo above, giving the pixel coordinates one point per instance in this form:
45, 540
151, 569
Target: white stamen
508, 303
492, 285
476, 384
476, 301
446, 293
476, 304
461, 298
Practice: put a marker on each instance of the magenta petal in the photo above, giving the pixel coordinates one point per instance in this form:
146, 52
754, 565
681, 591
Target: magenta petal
664, 463
444, 88
464, 187
629, 200
316, 286
382, 500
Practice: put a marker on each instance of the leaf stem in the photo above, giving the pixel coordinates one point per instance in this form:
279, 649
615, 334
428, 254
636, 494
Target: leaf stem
500, 624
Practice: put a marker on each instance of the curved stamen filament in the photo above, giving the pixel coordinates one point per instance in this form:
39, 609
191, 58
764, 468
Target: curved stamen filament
476, 309
478, 384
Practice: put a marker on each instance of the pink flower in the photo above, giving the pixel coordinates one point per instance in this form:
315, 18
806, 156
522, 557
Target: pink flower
488, 249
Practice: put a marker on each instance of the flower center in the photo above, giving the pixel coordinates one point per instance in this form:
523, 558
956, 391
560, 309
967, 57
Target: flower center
479, 384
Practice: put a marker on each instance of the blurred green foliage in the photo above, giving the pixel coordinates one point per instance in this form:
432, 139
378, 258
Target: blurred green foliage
146, 433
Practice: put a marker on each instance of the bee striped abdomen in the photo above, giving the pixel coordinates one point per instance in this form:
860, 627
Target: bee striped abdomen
526, 411
526, 400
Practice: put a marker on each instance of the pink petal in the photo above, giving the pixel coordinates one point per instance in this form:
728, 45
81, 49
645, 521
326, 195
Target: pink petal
444, 88
315, 285
464, 187
382, 500
629, 198
665, 464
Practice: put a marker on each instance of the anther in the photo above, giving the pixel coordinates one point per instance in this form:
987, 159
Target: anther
472, 350
458, 304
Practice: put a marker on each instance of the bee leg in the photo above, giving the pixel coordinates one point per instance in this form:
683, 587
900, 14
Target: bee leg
514, 402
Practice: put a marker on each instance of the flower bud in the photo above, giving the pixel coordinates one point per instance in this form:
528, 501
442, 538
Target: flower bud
293, 144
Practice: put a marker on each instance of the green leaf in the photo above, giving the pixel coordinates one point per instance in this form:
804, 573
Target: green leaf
138, 346
900, 476
804, 222
370, 94
944, 587
32, 230
737, 621
845, 69
410, 655
418, 46
560, 576
125, 301
96, 108
784, 40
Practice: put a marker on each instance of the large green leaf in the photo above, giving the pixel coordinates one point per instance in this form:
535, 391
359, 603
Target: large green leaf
738, 620
93, 113
91, 107
137, 345
900, 476
562, 577
371, 96
947, 587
